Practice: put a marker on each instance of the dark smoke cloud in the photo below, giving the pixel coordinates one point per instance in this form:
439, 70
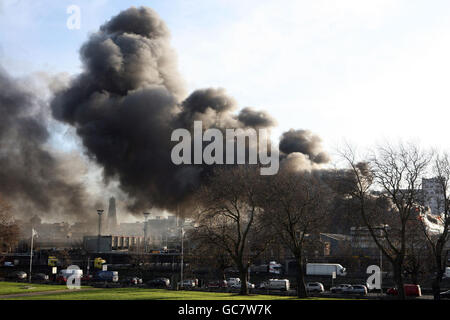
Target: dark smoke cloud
129, 99
124, 107
257, 119
32, 179
305, 142
212, 106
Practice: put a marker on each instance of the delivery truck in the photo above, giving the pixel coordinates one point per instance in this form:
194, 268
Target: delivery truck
324, 269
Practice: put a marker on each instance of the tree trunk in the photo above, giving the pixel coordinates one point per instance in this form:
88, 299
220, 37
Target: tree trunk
436, 286
301, 288
243, 272
398, 278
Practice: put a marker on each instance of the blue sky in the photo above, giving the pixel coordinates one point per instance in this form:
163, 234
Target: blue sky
363, 71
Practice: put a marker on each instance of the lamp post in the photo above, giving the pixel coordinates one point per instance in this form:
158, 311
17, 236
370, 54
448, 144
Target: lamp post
146, 214
99, 212
33, 233
381, 272
182, 256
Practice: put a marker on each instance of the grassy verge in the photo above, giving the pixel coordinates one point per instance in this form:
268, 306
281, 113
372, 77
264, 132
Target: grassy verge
23, 287
151, 294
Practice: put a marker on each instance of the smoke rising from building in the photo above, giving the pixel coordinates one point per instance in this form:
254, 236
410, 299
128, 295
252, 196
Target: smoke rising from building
129, 99
304, 142
33, 178
124, 107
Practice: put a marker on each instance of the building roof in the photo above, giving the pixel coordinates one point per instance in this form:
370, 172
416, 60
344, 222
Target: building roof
336, 236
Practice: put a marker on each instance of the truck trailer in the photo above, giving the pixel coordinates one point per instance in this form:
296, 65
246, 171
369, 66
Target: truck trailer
324, 269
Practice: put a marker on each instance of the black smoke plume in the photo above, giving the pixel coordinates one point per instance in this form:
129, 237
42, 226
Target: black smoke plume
32, 179
129, 99
305, 142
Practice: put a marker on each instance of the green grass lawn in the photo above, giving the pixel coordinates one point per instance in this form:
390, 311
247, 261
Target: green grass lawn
149, 294
23, 287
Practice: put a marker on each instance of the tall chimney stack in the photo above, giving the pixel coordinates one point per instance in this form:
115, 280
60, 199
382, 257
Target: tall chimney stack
112, 216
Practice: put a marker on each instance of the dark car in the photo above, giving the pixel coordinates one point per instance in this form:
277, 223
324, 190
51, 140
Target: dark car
17, 275
107, 276
132, 281
86, 278
40, 277
217, 284
159, 283
445, 294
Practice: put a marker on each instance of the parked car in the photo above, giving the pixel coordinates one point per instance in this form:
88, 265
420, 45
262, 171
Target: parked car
233, 281
159, 283
17, 275
188, 283
40, 277
340, 288
87, 278
275, 284
108, 276
411, 290
64, 274
356, 289
238, 285
132, 281
217, 284
445, 294
314, 287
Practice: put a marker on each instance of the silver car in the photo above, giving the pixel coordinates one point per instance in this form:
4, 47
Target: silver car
340, 288
238, 285
315, 287
356, 289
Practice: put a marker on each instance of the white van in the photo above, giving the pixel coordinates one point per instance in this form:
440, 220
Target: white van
275, 284
447, 272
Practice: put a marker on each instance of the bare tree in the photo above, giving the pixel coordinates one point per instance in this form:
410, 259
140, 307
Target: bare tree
230, 216
417, 253
214, 257
295, 206
389, 214
437, 241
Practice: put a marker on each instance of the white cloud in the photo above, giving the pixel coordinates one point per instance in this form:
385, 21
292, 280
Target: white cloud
342, 68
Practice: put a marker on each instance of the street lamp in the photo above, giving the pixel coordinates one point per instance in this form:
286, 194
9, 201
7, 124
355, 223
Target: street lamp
146, 215
182, 255
99, 212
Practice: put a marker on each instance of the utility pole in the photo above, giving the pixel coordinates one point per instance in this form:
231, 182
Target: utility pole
182, 255
381, 272
146, 214
99, 212
33, 233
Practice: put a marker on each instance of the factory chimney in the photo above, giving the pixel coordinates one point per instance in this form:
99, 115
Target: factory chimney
112, 216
